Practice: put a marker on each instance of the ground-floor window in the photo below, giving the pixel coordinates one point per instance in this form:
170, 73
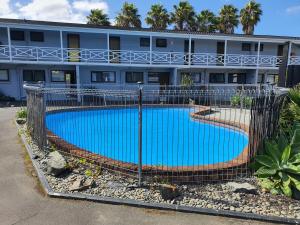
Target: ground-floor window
261, 78
58, 76
237, 78
33, 75
134, 77
103, 76
272, 78
217, 78
195, 76
4, 75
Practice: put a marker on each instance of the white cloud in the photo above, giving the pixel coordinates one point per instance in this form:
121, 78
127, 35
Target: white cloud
293, 9
86, 5
51, 10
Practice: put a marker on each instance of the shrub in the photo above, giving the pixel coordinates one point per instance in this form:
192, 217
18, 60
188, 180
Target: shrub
237, 99
279, 168
187, 80
22, 113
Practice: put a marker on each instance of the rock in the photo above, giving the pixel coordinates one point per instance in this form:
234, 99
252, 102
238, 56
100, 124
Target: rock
56, 164
241, 188
115, 185
34, 156
168, 192
81, 184
21, 121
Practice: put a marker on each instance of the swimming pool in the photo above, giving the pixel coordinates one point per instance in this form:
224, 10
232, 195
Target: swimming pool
171, 137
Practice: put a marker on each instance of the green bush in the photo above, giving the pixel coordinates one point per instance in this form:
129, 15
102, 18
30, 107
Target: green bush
279, 168
187, 80
22, 113
237, 99
247, 102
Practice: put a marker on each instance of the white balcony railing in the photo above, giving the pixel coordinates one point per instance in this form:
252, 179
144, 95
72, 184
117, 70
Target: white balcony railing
100, 56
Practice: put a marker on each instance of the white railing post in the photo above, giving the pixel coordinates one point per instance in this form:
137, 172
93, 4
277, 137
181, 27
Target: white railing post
225, 53
289, 52
9, 44
150, 49
190, 50
258, 55
108, 48
61, 45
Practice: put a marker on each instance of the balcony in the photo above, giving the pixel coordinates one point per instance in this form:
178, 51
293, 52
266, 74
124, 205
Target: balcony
125, 57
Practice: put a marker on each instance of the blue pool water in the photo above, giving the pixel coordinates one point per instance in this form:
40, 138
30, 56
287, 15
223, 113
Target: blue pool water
170, 136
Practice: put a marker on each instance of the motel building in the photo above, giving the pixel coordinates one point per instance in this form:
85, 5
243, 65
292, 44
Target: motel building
67, 54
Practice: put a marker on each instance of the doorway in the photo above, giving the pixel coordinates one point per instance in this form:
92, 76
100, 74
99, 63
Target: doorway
220, 53
114, 47
73, 45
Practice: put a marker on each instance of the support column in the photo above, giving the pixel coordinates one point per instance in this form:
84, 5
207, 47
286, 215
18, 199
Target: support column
61, 45
190, 50
257, 63
225, 53
151, 49
175, 76
289, 53
78, 86
108, 48
9, 43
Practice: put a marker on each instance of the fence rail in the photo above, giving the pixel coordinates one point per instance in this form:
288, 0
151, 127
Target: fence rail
179, 135
103, 56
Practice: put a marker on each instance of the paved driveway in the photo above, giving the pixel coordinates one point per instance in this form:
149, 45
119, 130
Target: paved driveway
21, 201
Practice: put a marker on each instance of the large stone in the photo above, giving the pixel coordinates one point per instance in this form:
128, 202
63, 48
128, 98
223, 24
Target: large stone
168, 192
81, 184
242, 188
56, 163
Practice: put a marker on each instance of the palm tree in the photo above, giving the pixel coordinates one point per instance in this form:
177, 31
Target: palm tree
228, 19
250, 16
98, 17
128, 17
183, 16
206, 21
158, 17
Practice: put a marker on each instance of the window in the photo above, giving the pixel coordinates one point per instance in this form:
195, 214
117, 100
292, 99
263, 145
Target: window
218, 78
246, 47
272, 78
144, 42
237, 78
196, 77
33, 75
153, 77
4, 75
261, 47
103, 76
58, 76
261, 78
161, 43
134, 77
36, 36
17, 35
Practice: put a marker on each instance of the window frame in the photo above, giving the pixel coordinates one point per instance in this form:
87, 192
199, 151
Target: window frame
210, 80
151, 74
33, 76
144, 40
8, 75
248, 48
261, 47
96, 71
13, 33
37, 40
240, 79
56, 81
157, 40
133, 82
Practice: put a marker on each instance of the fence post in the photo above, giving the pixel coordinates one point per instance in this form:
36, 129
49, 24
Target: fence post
140, 93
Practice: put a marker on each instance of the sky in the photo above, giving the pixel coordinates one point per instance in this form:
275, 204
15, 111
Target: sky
280, 17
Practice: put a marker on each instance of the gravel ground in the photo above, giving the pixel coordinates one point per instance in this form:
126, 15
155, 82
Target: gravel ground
213, 196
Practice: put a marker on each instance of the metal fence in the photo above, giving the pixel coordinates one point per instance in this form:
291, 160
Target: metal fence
175, 134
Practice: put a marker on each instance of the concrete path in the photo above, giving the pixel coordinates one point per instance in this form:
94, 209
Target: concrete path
21, 200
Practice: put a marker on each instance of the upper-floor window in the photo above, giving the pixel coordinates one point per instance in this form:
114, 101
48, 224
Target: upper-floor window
246, 47
261, 49
144, 42
134, 77
33, 75
218, 78
103, 76
237, 78
36, 36
4, 75
17, 35
161, 42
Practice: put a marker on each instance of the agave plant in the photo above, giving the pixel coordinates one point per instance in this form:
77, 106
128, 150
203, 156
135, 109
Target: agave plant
279, 168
